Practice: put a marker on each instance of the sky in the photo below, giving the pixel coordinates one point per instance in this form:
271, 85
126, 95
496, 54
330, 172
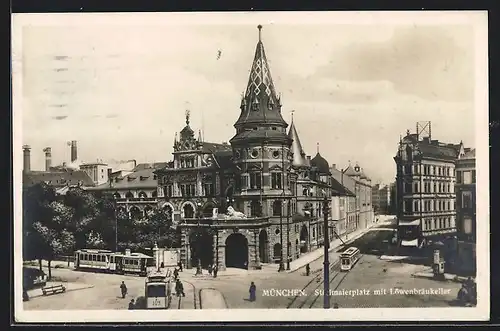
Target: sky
120, 86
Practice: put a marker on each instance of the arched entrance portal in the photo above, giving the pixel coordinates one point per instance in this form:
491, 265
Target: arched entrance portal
237, 251
304, 239
201, 244
263, 247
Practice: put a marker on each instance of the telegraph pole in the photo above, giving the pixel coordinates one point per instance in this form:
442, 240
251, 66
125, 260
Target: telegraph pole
326, 263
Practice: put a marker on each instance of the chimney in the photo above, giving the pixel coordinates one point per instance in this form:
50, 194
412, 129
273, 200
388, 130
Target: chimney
26, 158
48, 158
74, 154
334, 166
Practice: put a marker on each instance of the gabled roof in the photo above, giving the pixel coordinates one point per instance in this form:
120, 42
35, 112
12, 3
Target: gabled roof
341, 190
155, 165
141, 179
348, 182
437, 151
215, 147
58, 178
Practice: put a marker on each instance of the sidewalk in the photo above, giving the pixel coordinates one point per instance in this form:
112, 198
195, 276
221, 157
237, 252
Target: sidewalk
334, 245
448, 277
37, 292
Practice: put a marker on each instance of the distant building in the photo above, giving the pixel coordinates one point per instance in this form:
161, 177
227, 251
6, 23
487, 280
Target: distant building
376, 198
356, 207
466, 210
384, 199
58, 177
426, 189
393, 199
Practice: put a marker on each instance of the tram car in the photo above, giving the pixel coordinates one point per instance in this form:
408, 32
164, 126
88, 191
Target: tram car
108, 261
348, 258
158, 291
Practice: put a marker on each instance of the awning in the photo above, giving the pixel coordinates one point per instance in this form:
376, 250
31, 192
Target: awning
409, 243
411, 223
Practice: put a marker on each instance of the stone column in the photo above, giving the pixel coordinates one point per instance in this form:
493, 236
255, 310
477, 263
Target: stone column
253, 253
185, 248
222, 249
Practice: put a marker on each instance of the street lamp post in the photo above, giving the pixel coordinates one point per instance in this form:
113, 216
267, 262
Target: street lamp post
288, 235
326, 263
116, 223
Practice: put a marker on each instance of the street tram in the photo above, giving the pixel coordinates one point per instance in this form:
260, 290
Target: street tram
157, 291
104, 260
348, 258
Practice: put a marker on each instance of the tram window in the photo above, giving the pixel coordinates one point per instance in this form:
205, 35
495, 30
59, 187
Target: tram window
136, 262
93, 257
156, 291
112, 259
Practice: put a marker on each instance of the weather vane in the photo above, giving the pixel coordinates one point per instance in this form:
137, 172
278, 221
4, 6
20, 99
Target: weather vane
187, 116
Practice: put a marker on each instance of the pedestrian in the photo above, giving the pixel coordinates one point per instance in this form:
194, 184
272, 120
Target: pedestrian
252, 291
215, 269
176, 273
123, 289
179, 288
308, 270
180, 266
131, 305
162, 265
209, 269
335, 306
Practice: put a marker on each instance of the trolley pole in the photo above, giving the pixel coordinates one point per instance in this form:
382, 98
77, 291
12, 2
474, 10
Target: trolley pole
326, 263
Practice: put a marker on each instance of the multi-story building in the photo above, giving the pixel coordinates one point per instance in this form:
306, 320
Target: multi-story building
426, 189
356, 208
135, 192
264, 174
384, 195
466, 211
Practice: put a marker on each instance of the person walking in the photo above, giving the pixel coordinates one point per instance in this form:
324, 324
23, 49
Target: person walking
176, 273
123, 289
215, 269
131, 305
210, 269
179, 288
308, 270
180, 266
252, 291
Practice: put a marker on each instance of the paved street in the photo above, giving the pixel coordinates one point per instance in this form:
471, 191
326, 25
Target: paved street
274, 290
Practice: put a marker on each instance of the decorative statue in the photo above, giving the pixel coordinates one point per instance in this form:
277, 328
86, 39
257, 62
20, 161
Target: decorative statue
231, 213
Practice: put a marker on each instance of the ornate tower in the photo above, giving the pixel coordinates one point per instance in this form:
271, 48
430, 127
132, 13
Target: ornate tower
261, 146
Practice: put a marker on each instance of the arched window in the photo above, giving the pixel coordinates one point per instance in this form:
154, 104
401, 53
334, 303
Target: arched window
277, 208
142, 195
117, 195
154, 194
129, 195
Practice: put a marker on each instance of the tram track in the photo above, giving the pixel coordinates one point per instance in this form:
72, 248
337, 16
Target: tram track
311, 293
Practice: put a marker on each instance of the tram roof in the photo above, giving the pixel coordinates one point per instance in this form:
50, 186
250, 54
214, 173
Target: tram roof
350, 251
93, 250
134, 255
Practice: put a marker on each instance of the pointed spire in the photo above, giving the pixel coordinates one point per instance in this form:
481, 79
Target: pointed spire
200, 139
260, 81
317, 147
188, 113
299, 156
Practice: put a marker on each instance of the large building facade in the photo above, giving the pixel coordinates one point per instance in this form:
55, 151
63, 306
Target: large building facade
426, 199
264, 174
